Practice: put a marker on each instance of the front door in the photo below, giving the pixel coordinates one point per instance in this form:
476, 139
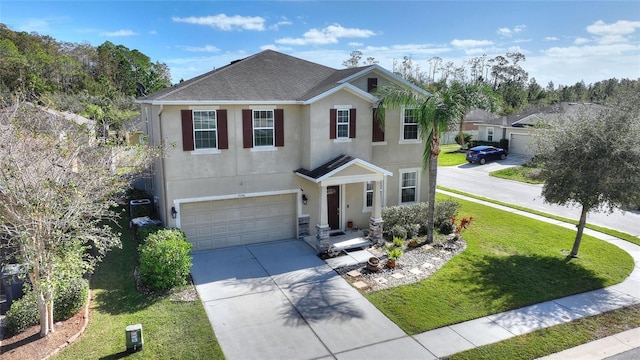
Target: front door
333, 207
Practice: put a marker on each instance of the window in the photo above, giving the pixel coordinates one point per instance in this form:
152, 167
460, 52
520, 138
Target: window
263, 129
489, 134
343, 123
408, 187
205, 131
409, 125
369, 194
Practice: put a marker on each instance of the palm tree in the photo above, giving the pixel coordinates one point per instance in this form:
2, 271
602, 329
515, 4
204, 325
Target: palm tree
434, 114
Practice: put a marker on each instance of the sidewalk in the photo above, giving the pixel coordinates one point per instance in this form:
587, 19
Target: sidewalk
451, 339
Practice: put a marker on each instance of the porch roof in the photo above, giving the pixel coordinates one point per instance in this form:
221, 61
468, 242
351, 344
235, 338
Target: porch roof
342, 170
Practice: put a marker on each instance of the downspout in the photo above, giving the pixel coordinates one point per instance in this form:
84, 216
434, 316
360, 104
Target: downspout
164, 178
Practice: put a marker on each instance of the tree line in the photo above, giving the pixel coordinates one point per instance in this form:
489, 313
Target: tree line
502, 78
98, 82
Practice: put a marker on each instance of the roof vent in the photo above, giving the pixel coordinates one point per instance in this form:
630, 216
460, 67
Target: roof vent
235, 61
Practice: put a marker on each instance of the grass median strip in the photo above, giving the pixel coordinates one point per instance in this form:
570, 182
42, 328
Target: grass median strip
615, 233
172, 327
511, 261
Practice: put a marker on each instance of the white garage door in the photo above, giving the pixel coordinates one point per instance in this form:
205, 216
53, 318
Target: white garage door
222, 223
520, 144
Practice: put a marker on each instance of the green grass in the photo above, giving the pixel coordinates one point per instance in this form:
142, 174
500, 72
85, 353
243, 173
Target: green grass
450, 156
615, 233
523, 173
172, 329
557, 338
511, 261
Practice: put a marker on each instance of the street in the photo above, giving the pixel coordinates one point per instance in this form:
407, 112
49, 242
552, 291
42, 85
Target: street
475, 179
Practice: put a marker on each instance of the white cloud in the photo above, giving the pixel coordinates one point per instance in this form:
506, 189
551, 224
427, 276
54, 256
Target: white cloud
621, 27
355, 44
206, 48
507, 32
580, 41
277, 25
224, 22
328, 35
118, 33
551, 38
464, 44
153, 32
594, 50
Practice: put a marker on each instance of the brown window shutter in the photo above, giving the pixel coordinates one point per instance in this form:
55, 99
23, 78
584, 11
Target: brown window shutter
223, 137
247, 128
187, 130
333, 115
352, 123
278, 125
378, 131
372, 84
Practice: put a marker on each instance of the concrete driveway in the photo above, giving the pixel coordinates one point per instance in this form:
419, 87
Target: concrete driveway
280, 301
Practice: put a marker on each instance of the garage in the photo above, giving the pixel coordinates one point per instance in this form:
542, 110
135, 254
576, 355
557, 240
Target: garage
231, 222
520, 144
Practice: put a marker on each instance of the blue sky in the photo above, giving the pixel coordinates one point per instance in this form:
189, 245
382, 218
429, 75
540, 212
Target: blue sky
563, 41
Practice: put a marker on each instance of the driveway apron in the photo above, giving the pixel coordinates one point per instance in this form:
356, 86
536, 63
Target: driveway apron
278, 300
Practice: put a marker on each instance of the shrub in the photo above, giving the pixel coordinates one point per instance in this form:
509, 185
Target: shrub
165, 259
68, 300
22, 314
465, 136
444, 211
142, 233
394, 253
404, 215
504, 144
399, 242
398, 231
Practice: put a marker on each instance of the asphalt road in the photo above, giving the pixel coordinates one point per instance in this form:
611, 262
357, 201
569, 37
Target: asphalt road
475, 179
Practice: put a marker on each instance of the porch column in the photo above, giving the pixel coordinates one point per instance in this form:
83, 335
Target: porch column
375, 221
322, 230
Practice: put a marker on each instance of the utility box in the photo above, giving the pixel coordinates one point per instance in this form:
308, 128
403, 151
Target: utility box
134, 337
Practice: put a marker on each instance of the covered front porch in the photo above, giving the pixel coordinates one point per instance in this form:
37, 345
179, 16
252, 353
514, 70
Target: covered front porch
347, 190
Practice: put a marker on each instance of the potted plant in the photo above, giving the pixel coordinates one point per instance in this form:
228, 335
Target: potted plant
373, 264
393, 256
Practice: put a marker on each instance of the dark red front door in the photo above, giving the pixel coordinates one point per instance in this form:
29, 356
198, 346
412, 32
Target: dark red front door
333, 206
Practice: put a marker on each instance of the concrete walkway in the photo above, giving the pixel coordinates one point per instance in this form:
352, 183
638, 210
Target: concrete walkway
280, 301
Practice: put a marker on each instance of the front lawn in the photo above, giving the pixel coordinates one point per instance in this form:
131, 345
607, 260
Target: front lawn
526, 173
511, 261
172, 328
450, 155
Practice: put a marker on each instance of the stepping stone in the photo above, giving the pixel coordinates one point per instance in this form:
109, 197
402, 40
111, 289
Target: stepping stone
427, 266
415, 271
360, 285
354, 273
380, 280
397, 276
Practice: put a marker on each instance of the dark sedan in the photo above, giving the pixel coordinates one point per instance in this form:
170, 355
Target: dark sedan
480, 154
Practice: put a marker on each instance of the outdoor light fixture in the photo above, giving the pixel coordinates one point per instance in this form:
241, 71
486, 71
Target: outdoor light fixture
304, 199
174, 213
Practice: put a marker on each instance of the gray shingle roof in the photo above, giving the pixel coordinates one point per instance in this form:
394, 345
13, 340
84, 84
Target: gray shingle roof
325, 168
265, 76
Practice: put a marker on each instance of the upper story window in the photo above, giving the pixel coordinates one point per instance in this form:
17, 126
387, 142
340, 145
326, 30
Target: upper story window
409, 125
342, 129
205, 132
408, 187
263, 128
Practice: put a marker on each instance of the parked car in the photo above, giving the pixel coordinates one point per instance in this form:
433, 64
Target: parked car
481, 154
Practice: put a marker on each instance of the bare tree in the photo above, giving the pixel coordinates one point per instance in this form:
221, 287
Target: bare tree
58, 189
354, 60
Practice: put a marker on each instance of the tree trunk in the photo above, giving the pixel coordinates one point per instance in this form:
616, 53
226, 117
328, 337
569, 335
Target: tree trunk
431, 204
581, 224
45, 308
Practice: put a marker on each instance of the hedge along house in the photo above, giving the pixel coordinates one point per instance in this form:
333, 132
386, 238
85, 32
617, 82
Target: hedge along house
274, 147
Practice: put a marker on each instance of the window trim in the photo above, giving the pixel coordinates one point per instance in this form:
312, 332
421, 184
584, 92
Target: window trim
272, 128
416, 186
193, 120
417, 140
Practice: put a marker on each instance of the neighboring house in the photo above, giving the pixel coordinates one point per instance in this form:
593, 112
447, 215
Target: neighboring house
275, 147
519, 129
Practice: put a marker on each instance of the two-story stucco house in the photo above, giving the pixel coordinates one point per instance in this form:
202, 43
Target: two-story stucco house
275, 147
